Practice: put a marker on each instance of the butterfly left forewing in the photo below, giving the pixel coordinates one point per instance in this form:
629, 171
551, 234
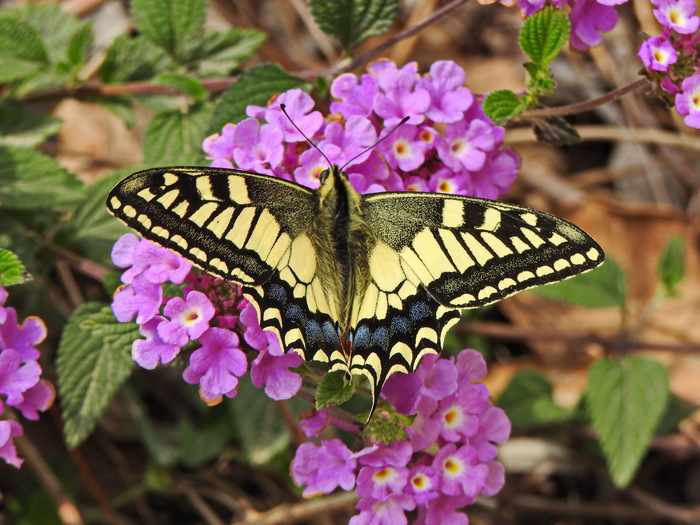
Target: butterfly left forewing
243, 227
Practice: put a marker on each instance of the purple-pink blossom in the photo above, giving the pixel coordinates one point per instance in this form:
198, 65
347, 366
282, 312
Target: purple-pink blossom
21, 386
657, 54
322, 469
186, 319
678, 15
688, 101
217, 364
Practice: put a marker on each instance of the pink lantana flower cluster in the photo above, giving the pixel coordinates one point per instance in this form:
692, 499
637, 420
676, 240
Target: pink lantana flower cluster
210, 312
671, 59
21, 386
447, 145
448, 460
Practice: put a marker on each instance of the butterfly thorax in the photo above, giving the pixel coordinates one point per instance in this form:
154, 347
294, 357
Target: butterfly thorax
342, 232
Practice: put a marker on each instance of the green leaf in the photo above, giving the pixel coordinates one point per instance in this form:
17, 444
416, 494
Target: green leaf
600, 288
174, 137
333, 390
528, 401
220, 53
20, 128
254, 87
32, 181
352, 21
502, 105
91, 230
12, 271
260, 428
203, 443
625, 401
132, 60
22, 51
94, 360
671, 267
55, 26
16, 237
186, 85
544, 35
170, 23
79, 44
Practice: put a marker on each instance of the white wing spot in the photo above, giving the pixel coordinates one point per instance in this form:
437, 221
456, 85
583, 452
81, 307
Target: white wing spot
561, 264
486, 292
578, 258
506, 283
169, 178
115, 203
180, 241
403, 350
145, 221
525, 276
161, 232
198, 253
529, 217
544, 270
593, 254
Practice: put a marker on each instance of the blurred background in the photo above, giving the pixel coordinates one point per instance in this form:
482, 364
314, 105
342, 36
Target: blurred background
158, 455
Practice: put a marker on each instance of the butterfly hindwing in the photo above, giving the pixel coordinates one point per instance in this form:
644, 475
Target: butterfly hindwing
469, 252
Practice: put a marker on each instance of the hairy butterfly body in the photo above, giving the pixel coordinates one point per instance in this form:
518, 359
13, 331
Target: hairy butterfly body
366, 283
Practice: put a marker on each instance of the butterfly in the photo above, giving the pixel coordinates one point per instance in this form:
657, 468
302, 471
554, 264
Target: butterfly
367, 283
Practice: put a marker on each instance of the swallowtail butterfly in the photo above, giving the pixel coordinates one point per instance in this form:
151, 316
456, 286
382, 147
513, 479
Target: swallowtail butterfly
366, 283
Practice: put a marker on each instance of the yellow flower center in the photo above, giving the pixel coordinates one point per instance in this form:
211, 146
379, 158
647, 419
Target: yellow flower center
382, 473
451, 466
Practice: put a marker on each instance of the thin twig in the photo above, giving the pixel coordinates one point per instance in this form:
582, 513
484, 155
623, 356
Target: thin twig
617, 134
377, 50
305, 510
586, 105
67, 510
82, 265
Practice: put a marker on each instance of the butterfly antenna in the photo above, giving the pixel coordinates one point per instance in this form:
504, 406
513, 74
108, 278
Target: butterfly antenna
379, 141
283, 107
